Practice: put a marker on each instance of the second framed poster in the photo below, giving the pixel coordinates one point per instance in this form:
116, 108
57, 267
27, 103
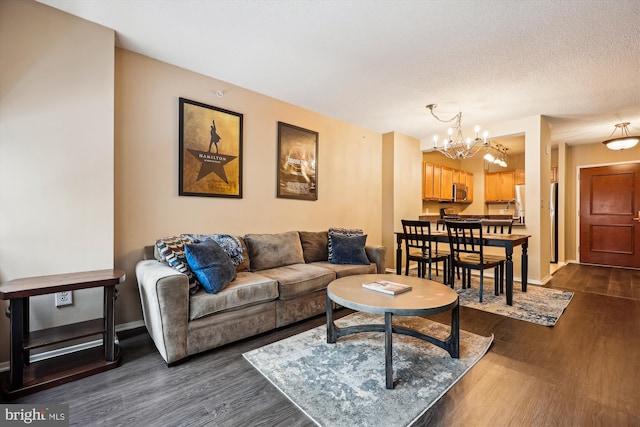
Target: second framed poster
297, 162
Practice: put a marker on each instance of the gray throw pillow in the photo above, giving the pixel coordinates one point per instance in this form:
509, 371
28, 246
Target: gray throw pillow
211, 265
348, 249
344, 232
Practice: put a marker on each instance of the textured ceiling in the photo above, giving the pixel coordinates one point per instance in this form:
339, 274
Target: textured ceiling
377, 64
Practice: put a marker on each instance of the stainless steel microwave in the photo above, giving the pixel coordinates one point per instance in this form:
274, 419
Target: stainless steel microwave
460, 193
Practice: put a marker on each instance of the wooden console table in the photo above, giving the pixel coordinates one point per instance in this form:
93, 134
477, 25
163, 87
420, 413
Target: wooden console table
25, 377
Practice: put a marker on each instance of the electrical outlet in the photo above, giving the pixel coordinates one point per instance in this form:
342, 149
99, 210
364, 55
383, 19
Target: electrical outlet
64, 298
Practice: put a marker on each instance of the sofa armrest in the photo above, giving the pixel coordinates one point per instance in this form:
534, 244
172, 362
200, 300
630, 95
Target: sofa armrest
377, 254
164, 295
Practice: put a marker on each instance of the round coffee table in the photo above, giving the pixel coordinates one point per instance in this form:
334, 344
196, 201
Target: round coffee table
424, 299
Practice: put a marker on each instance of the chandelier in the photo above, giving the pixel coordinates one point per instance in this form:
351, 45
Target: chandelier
624, 141
456, 146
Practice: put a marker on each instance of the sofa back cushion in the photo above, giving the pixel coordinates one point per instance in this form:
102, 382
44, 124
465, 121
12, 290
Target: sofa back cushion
274, 250
315, 245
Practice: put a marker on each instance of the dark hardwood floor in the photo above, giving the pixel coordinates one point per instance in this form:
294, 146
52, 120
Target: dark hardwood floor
584, 371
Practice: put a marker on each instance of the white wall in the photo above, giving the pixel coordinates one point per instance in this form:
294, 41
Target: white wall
56, 154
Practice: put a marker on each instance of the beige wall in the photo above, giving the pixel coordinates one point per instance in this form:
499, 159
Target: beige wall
147, 204
402, 187
56, 154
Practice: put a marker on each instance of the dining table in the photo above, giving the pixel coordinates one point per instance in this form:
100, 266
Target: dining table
506, 241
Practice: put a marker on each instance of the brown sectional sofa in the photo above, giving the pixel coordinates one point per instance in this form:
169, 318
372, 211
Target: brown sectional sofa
282, 280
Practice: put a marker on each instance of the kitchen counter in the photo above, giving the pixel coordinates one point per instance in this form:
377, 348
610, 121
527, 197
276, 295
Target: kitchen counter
435, 218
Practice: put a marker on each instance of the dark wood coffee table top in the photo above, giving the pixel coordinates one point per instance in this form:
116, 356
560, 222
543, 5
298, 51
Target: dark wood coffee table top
425, 298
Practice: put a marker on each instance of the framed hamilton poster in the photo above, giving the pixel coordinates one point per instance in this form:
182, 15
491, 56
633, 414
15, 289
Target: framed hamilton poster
210, 151
297, 162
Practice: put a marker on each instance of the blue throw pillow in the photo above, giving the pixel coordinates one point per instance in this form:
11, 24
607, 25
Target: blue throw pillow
211, 265
348, 249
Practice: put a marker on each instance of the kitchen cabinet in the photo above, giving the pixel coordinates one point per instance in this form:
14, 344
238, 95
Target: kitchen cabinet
437, 182
519, 176
469, 183
499, 187
458, 176
446, 183
427, 181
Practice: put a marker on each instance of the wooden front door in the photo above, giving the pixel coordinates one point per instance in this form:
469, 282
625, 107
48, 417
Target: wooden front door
609, 212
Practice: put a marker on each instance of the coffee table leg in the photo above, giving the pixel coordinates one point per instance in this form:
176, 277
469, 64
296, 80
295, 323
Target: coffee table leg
331, 327
455, 332
388, 349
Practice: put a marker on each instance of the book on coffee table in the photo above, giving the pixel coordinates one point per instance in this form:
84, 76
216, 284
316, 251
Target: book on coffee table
387, 287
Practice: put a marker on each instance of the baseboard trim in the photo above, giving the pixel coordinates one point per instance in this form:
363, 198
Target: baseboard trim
4, 366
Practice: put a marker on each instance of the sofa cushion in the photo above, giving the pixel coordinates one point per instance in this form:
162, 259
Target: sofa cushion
348, 249
299, 279
170, 250
248, 289
233, 245
343, 232
315, 245
343, 270
274, 250
211, 264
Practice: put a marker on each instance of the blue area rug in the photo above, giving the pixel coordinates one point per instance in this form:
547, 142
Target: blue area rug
343, 384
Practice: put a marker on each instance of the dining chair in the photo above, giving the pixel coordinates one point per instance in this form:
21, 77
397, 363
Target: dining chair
420, 248
498, 226
467, 253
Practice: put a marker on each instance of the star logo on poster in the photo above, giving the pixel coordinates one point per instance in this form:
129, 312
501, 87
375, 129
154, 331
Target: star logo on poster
212, 163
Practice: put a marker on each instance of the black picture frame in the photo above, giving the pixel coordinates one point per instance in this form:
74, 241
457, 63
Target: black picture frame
297, 163
210, 151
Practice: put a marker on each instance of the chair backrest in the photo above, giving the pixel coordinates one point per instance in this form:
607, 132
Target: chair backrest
465, 237
416, 235
498, 226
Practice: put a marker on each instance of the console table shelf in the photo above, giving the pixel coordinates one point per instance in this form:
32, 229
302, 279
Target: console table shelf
60, 334
62, 369
28, 377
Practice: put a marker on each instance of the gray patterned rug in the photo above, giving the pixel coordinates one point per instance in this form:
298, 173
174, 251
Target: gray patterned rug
542, 306
539, 305
343, 384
